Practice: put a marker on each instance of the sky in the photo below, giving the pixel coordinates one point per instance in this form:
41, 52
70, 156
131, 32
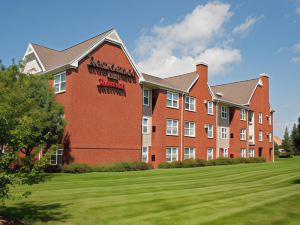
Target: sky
237, 39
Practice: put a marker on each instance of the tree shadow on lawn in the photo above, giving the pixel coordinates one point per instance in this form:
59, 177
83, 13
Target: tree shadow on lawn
32, 213
296, 181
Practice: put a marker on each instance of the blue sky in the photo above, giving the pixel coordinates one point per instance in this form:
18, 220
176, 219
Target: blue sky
238, 39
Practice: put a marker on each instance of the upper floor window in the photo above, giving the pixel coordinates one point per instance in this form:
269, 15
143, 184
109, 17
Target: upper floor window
270, 137
56, 157
210, 108
172, 127
270, 120
145, 125
172, 100
190, 103
243, 153
243, 134
260, 136
224, 112
189, 129
189, 153
251, 153
210, 131
224, 132
60, 82
260, 119
146, 96
171, 154
243, 114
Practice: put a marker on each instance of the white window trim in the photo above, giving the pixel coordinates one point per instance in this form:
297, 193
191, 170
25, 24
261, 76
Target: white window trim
189, 149
146, 147
172, 127
212, 108
212, 152
188, 109
243, 135
260, 118
189, 135
173, 93
226, 154
224, 107
56, 156
260, 136
243, 153
172, 153
148, 119
243, 114
251, 155
146, 89
226, 132
212, 131
59, 74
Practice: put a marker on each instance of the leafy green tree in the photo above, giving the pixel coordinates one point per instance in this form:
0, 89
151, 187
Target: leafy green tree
295, 137
30, 121
286, 142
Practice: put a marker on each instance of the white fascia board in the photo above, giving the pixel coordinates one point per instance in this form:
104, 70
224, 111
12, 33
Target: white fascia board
35, 54
231, 103
165, 87
248, 103
211, 92
189, 88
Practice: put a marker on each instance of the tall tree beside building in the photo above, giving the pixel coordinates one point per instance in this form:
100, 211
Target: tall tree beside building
30, 120
295, 138
286, 142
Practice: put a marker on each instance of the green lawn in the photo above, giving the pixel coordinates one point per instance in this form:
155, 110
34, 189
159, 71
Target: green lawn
263, 193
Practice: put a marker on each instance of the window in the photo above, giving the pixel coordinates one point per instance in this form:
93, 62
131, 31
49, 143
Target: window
251, 117
260, 118
210, 154
251, 153
270, 120
243, 153
171, 154
145, 125
146, 96
225, 153
189, 153
224, 132
224, 112
190, 103
172, 127
60, 82
210, 108
243, 114
260, 136
145, 154
210, 131
56, 157
270, 137
172, 100
243, 134
189, 129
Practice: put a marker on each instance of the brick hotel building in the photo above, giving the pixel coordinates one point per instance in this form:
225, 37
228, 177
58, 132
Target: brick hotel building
116, 113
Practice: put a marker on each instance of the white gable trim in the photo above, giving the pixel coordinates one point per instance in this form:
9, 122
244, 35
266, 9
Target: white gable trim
211, 92
189, 88
259, 83
35, 54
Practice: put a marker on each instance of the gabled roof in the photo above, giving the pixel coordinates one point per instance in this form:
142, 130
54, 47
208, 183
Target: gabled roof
237, 92
181, 82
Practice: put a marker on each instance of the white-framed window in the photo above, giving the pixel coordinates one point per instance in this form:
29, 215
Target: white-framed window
172, 127
243, 134
210, 131
190, 103
225, 153
243, 114
145, 154
171, 154
145, 125
270, 137
260, 119
146, 96
189, 129
243, 153
210, 108
60, 82
172, 100
224, 133
189, 153
224, 112
270, 120
251, 153
260, 135
210, 153
56, 157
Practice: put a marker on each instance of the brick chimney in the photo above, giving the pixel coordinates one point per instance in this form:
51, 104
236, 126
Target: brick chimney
265, 81
202, 71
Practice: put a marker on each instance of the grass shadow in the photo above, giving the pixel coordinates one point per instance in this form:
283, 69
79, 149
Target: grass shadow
32, 213
296, 181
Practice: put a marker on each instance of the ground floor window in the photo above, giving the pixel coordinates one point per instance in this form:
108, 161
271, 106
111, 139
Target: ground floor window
251, 153
210, 154
56, 157
171, 154
225, 153
189, 153
243, 153
145, 154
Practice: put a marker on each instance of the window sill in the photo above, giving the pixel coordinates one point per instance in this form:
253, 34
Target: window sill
190, 110
173, 135
190, 136
60, 92
170, 107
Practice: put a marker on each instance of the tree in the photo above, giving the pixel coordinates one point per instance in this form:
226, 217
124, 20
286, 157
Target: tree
286, 142
294, 139
30, 121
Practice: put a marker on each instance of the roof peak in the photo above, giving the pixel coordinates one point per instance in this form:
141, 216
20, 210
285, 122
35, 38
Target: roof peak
234, 82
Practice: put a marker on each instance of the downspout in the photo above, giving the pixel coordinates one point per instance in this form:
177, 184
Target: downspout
181, 130
247, 134
273, 150
217, 128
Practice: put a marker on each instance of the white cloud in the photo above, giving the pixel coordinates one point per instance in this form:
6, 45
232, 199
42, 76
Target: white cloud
296, 47
176, 48
298, 10
295, 59
243, 29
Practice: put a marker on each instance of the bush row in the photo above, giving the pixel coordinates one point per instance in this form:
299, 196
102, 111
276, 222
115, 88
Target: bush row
84, 168
200, 162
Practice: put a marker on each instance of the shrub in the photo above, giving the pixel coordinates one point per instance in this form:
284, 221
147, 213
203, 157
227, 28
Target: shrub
176, 164
77, 168
202, 162
53, 169
123, 166
164, 165
189, 163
